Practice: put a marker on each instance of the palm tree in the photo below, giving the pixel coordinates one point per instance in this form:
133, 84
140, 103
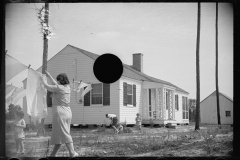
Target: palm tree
197, 70
217, 92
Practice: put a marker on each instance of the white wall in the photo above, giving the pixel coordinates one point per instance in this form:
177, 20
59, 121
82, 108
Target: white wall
80, 67
179, 113
128, 113
208, 110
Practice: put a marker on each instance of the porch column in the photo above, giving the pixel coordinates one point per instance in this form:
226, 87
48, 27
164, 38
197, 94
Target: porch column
170, 108
145, 111
164, 103
173, 95
173, 104
160, 111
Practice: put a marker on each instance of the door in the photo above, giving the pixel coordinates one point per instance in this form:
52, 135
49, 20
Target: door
152, 103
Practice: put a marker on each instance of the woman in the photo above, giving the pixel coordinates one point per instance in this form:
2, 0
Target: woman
61, 112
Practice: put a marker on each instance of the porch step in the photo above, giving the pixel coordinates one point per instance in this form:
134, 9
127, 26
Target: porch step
171, 124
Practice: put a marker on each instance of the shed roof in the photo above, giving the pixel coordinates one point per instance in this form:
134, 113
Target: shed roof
219, 93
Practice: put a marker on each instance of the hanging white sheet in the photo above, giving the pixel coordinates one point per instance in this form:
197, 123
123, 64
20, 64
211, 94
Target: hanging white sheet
36, 95
19, 94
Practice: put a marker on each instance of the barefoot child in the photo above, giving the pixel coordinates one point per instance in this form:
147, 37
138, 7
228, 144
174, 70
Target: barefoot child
138, 121
19, 124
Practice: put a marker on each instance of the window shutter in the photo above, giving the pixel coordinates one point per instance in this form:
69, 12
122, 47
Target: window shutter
187, 110
106, 94
87, 99
134, 95
186, 104
177, 103
125, 94
166, 100
49, 99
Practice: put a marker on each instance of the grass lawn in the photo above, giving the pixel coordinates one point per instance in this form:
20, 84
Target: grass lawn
102, 142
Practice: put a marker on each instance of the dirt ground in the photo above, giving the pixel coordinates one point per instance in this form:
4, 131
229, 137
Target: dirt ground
164, 142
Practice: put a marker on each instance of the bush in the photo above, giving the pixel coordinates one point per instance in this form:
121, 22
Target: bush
9, 126
101, 128
127, 130
151, 123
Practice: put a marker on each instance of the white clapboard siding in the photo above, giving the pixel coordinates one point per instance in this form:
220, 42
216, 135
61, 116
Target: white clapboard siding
79, 66
179, 112
128, 113
208, 109
95, 114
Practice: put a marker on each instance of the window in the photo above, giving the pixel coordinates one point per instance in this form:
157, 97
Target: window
97, 94
129, 94
176, 102
185, 107
228, 113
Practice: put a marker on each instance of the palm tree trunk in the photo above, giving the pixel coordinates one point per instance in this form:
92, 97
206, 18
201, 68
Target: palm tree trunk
197, 70
217, 92
44, 65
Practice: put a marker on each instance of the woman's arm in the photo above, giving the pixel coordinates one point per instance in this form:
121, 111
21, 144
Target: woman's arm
23, 124
52, 80
47, 86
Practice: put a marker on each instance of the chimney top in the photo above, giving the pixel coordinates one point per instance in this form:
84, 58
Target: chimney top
138, 61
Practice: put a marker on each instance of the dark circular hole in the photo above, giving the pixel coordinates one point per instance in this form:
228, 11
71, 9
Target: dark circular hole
108, 68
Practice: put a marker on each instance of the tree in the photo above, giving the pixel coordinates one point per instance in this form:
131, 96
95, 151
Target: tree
217, 92
192, 103
46, 32
197, 69
192, 109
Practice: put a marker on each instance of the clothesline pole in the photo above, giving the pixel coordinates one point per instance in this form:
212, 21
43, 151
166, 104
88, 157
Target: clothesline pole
45, 57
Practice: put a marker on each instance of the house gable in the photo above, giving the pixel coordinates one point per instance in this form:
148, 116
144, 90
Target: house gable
214, 93
128, 71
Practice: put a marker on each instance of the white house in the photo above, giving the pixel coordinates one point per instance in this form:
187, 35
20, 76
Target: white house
208, 109
135, 92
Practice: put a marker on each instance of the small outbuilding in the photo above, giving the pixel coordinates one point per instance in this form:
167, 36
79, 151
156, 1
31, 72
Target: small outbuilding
208, 109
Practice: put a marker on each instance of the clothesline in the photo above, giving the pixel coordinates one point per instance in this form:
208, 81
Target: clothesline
80, 81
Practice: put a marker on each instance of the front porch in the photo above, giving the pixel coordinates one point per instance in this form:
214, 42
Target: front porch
158, 106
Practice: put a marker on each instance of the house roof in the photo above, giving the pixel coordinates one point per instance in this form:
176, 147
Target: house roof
219, 93
129, 72
132, 73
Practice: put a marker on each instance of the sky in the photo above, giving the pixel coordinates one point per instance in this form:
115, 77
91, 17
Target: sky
165, 33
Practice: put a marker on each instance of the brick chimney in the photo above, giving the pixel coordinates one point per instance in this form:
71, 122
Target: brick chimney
138, 62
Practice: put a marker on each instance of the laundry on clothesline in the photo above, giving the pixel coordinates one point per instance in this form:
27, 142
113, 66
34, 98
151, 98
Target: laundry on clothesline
17, 95
9, 91
36, 95
81, 87
77, 86
86, 90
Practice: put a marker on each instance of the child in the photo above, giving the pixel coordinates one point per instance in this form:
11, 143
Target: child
19, 124
138, 121
114, 121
